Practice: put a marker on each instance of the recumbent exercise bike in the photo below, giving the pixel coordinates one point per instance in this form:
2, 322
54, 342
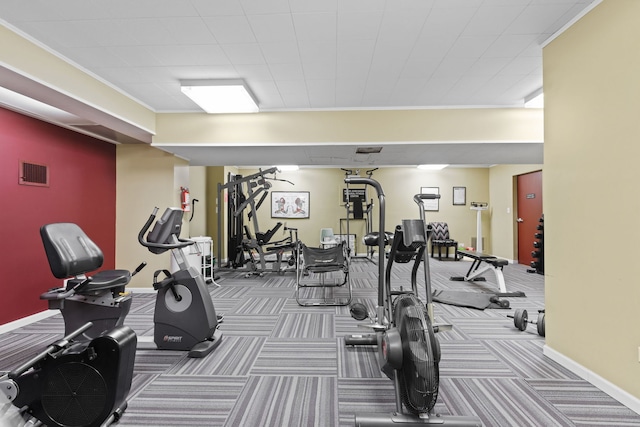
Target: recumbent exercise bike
84, 378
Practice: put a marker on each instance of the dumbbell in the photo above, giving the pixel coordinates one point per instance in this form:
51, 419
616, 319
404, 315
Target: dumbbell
502, 303
521, 320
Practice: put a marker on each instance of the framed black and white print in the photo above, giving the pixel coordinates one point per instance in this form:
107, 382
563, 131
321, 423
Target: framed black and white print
459, 196
431, 204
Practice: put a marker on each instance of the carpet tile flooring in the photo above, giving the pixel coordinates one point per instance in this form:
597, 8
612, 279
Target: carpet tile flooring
283, 365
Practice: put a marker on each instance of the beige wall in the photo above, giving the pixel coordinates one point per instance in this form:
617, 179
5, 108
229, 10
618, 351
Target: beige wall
399, 186
453, 125
146, 178
198, 190
592, 104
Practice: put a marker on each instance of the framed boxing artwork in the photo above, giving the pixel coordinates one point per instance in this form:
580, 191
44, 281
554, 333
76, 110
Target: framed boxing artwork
289, 204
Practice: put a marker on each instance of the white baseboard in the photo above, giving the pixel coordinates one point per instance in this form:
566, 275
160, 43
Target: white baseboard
606, 386
8, 327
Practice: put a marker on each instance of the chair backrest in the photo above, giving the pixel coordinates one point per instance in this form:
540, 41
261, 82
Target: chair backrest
326, 235
440, 231
69, 250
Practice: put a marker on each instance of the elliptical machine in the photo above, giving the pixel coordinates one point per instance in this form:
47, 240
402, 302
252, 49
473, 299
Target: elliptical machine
409, 352
184, 317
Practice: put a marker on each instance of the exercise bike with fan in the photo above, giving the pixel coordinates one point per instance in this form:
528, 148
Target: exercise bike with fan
404, 333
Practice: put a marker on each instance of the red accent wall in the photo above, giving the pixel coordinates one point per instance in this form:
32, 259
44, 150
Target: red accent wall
82, 190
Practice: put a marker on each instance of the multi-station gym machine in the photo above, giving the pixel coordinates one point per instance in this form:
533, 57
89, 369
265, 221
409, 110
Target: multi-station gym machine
357, 208
246, 193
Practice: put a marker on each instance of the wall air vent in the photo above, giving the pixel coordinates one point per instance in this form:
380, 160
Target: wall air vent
34, 174
368, 150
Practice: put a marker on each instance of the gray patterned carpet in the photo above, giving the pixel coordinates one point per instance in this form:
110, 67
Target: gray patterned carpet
280, 364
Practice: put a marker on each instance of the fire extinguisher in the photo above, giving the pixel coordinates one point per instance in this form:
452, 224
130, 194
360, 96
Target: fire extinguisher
184, 199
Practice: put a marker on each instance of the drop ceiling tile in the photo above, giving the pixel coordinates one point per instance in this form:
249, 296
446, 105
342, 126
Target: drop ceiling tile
355, 25
188, 30
293, 93
492, 20
510, 45
189, 55
346, 70
291, 71
280, 53
272, 28
230, 29
243, 53
313, 51
538, 18
254, 71
470, 46
361, 5
315, 26
263, 7
402, 25
217, 7
322, 92
313, 6
319, 70
136, 56
356, 50
267, 94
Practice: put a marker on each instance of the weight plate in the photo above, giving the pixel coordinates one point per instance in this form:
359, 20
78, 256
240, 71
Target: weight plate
540, 324
520, 319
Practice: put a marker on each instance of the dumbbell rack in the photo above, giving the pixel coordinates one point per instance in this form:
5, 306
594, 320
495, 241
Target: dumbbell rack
538, 253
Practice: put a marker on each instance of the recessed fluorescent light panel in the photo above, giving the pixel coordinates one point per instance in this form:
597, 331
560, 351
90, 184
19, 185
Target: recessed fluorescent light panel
220, 96
535, 99
432, 167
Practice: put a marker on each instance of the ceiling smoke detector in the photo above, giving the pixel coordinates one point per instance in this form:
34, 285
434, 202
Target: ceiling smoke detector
368, 150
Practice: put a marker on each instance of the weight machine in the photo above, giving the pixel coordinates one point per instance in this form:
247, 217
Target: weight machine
355, 210
246, 192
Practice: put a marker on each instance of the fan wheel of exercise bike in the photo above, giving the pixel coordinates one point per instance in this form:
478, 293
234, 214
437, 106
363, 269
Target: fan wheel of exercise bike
419, 375
74, 394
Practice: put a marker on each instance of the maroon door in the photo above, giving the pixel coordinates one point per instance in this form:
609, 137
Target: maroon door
529, 188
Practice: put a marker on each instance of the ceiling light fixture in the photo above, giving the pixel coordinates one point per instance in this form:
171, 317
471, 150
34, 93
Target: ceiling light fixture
535, 99
220, 96
432, 167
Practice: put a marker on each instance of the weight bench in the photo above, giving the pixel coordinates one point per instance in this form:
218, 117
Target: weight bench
491, 262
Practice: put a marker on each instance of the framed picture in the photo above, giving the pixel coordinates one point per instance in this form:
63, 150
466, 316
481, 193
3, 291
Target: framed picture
459, 196
434, 204
289, 204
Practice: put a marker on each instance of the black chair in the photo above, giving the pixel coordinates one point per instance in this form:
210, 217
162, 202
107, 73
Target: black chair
440, 239
320, 262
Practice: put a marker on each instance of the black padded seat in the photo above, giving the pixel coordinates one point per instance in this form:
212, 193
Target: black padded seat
71, 253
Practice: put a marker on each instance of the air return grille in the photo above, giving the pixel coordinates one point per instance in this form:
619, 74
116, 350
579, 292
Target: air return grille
34, 174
